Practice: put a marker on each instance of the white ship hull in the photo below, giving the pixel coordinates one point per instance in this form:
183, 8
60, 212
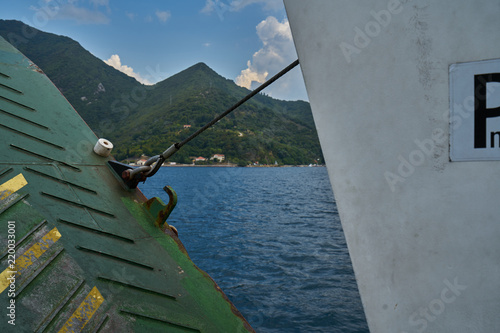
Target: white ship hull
384, 80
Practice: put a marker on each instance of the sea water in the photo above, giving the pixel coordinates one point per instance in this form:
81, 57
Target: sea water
272, 240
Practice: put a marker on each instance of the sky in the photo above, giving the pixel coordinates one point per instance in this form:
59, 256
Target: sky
247, 41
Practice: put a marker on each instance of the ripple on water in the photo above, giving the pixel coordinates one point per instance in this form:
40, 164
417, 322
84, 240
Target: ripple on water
272, 239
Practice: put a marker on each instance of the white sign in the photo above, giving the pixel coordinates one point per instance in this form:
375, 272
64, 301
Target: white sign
475, 111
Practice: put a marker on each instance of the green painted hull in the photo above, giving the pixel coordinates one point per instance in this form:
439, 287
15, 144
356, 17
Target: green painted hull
91, 256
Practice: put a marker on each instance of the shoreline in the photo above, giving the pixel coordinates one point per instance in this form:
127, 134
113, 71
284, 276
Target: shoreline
236, 166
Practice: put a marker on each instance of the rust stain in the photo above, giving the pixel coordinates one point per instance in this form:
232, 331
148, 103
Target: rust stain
160, 215
35, 68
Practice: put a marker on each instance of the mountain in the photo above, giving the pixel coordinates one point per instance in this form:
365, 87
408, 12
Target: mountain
141, 119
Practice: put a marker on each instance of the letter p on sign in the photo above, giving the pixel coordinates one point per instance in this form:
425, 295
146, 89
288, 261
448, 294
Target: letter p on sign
475, 111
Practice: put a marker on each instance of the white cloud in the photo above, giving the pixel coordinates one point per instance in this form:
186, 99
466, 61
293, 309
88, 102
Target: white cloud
100, 2
131, 16
53, 10
250, 75
221, 6
210, 6
115, 62
277, 52
207, 44
271, 30
81, 15
275, 5
163, 16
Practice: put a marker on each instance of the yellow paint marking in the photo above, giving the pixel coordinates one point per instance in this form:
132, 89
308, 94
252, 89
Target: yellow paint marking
84, 312
38, 249
26, 260
12, 186
4, 282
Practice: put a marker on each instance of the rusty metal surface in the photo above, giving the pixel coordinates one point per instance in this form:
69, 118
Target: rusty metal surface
91, 254
159, 211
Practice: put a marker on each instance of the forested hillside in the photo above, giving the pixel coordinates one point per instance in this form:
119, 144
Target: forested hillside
141, 119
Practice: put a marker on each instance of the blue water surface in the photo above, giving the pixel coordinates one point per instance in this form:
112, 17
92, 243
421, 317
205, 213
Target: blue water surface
272, 240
